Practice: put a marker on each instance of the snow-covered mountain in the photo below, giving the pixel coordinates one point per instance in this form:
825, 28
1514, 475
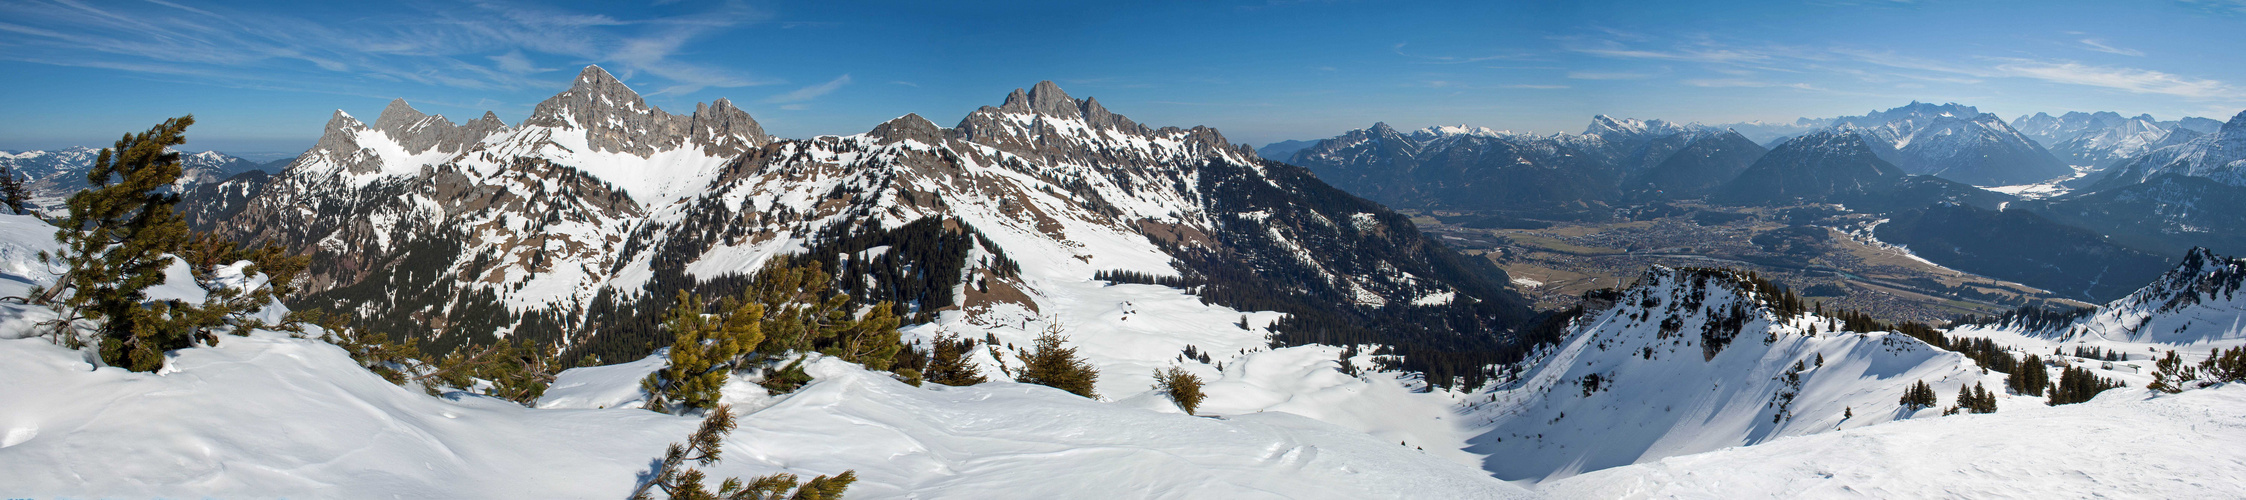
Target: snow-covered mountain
563, 227
1955, 142
2196, 302
2219, 156
52, 176
2105, 138
1692, 361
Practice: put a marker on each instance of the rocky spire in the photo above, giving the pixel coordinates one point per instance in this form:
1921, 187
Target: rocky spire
1047, 99
398, 116
616, 119
723, 129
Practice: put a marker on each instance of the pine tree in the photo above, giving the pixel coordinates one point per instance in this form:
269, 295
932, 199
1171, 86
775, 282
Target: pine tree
679, 482
2170, 374
948, 361
704, 351
1050, 362
116, 243
1182, 387
2028, 377
11, 191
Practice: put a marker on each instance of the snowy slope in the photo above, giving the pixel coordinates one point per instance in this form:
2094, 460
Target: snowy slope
1640, 381
2124, 444
270, 416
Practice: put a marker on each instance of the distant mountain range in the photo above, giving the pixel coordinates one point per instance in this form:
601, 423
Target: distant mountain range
53, 175
2105, 138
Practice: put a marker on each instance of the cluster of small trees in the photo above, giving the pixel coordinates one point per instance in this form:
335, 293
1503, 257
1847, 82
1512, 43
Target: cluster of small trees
785, 310
1919, 397
2027, 377
1975, 399
2077, 385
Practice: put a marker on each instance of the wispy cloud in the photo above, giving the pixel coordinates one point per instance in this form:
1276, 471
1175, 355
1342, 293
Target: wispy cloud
2126, 79
1699, 54
1534, 87
2216, 6
1738, 82
480, 45
802, 95
1607, 75
2101, 46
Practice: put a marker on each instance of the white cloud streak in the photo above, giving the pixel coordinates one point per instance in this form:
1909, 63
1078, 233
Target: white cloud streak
808, 93
2101, 46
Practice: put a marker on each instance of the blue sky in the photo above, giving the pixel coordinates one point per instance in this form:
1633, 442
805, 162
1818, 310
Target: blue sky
264, 76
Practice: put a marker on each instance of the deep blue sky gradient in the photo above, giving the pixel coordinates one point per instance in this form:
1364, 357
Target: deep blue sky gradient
265, 75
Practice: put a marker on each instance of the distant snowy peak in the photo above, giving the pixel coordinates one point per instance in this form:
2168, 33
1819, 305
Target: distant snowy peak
2067, 126
1955, 142
1631, 128
2220, 156
1458, 130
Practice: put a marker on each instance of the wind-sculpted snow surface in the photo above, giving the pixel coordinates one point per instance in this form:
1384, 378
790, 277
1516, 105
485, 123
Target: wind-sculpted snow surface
1689, 361
2127, 443
269, 416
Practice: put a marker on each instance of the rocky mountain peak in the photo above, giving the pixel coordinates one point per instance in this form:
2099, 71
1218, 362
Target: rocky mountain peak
909, 127
397, 116
614, 118
1048, 99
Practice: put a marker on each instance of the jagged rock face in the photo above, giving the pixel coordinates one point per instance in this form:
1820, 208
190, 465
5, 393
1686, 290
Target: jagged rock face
1955, 142
52, 176
615, 119
560, 227
2220, 157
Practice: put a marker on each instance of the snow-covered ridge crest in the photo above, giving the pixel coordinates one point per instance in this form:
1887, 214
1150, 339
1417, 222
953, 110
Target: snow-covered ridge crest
2197, 301
1693, 360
